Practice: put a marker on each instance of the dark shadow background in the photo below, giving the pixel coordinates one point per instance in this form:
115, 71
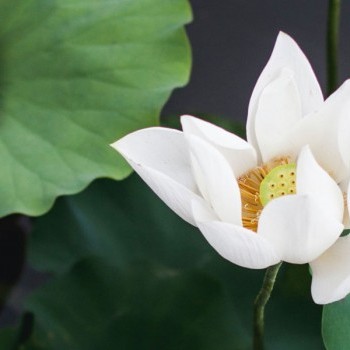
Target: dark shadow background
232, 41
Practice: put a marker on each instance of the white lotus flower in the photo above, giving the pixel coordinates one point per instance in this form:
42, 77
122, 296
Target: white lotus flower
275, 197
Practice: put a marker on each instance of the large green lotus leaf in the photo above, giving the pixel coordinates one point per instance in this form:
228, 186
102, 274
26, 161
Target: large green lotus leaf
75, 76
336, 325
126, 226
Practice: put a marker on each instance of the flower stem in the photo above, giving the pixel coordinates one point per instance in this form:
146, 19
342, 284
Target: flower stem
332, 44
259, 305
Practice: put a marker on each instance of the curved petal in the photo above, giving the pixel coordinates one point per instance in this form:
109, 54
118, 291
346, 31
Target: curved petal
314, 181
234, 243
331, 273
176, 196
216, 180
162, 149
278, 110
298, 228
239, 153
327, 133
161, 157
286, 54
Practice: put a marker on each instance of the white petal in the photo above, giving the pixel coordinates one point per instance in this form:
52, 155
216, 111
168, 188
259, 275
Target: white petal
331, 273
278, 110
162, 149
314, 181
234, 243
297, 227
176, 196
286, 54
346, 218
345, 188
327, 133
161, 157
239, 153
216, 180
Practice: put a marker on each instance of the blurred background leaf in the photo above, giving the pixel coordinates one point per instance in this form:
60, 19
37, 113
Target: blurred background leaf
7, 339
336, 325
128, 273
74, 77
148, 307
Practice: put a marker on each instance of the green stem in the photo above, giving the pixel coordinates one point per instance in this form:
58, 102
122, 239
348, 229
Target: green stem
332, 44
260, 303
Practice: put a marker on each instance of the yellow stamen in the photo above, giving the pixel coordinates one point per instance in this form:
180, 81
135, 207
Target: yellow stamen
249, 185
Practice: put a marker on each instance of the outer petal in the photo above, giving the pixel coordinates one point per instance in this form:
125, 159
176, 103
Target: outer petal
216, 180
286, 54
314, 181
234, 243
346, 218
159, 148
278, 110
239, 153
176, 196
161, 157
327, 133
331, 273
298, 228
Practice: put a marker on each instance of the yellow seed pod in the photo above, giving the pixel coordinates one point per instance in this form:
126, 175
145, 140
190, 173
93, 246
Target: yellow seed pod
280, 181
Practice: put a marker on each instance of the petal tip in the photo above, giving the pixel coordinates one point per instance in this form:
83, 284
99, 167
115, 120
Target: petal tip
114, 145
286, 38
187, 118
305, 150
283, 35
120, 145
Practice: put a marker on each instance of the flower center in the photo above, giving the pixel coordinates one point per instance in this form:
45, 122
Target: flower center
262, 184
278, 182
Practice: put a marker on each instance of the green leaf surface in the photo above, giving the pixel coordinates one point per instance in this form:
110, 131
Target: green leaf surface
336, 325
161, 280
74, 77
